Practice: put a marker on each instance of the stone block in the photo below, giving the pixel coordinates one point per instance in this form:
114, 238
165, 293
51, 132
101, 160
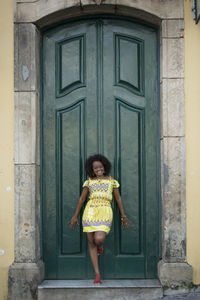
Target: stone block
172, 107
25, 1
173, 28
26, 214
174, 200
38, 220
23, 280
109, 289
173, 58
36, 156
174, 275
163, 9
161, 109
33, 11
27, 47
27, 128
162, 167
16, 54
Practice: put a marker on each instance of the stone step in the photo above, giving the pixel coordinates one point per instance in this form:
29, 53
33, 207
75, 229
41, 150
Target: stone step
109, 289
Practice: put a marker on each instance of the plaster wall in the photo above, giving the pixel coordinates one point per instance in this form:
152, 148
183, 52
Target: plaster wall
192, 129
6, 144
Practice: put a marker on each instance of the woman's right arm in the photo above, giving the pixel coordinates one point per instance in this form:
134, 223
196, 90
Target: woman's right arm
74, 219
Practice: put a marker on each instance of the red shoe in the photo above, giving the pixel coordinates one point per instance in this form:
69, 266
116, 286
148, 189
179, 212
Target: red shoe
97, 279
100, 250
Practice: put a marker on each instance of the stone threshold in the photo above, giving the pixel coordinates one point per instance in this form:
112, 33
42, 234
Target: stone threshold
109, 289
118, 283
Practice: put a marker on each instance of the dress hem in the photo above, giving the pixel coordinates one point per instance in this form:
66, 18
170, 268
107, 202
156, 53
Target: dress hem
104, 228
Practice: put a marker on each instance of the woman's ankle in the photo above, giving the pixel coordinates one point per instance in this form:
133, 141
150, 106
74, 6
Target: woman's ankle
97, 278
97, 272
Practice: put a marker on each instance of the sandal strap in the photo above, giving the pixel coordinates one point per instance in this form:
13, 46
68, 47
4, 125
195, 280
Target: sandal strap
100, 250
97, 279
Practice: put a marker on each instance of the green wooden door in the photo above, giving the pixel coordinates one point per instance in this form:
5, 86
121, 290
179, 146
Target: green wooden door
100, 96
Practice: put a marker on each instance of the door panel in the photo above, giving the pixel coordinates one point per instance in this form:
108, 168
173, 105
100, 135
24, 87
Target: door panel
130, 153
70, 55
100, 96
129, 58
69, 150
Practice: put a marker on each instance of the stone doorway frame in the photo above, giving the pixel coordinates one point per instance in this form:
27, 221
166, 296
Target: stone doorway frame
31, 17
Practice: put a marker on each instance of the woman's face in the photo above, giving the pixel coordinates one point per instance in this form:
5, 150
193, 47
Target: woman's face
98, 169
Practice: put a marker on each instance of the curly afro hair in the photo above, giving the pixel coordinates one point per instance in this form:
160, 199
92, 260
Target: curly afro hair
97, 157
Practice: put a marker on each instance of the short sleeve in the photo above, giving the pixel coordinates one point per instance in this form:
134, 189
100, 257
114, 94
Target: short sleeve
86, 183
115, 184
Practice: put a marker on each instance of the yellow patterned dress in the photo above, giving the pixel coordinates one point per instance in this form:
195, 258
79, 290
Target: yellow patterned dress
98, 214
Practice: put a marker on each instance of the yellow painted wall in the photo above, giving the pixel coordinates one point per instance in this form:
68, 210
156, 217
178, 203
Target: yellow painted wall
192, 110
6, 144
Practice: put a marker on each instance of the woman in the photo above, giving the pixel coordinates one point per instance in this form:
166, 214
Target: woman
98, 215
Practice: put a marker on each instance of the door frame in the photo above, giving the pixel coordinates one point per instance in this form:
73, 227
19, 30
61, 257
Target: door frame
31, 19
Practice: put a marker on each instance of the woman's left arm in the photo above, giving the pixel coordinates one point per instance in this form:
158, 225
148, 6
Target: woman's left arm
125, 221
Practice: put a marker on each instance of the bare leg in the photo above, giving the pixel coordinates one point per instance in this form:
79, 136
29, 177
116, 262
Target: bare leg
93, 251
99, 238
95, 240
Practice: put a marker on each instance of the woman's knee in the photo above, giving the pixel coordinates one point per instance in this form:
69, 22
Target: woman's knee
99, 240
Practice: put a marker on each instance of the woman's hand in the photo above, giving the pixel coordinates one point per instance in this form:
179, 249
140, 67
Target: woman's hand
125, 222
74, 219
72, 223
